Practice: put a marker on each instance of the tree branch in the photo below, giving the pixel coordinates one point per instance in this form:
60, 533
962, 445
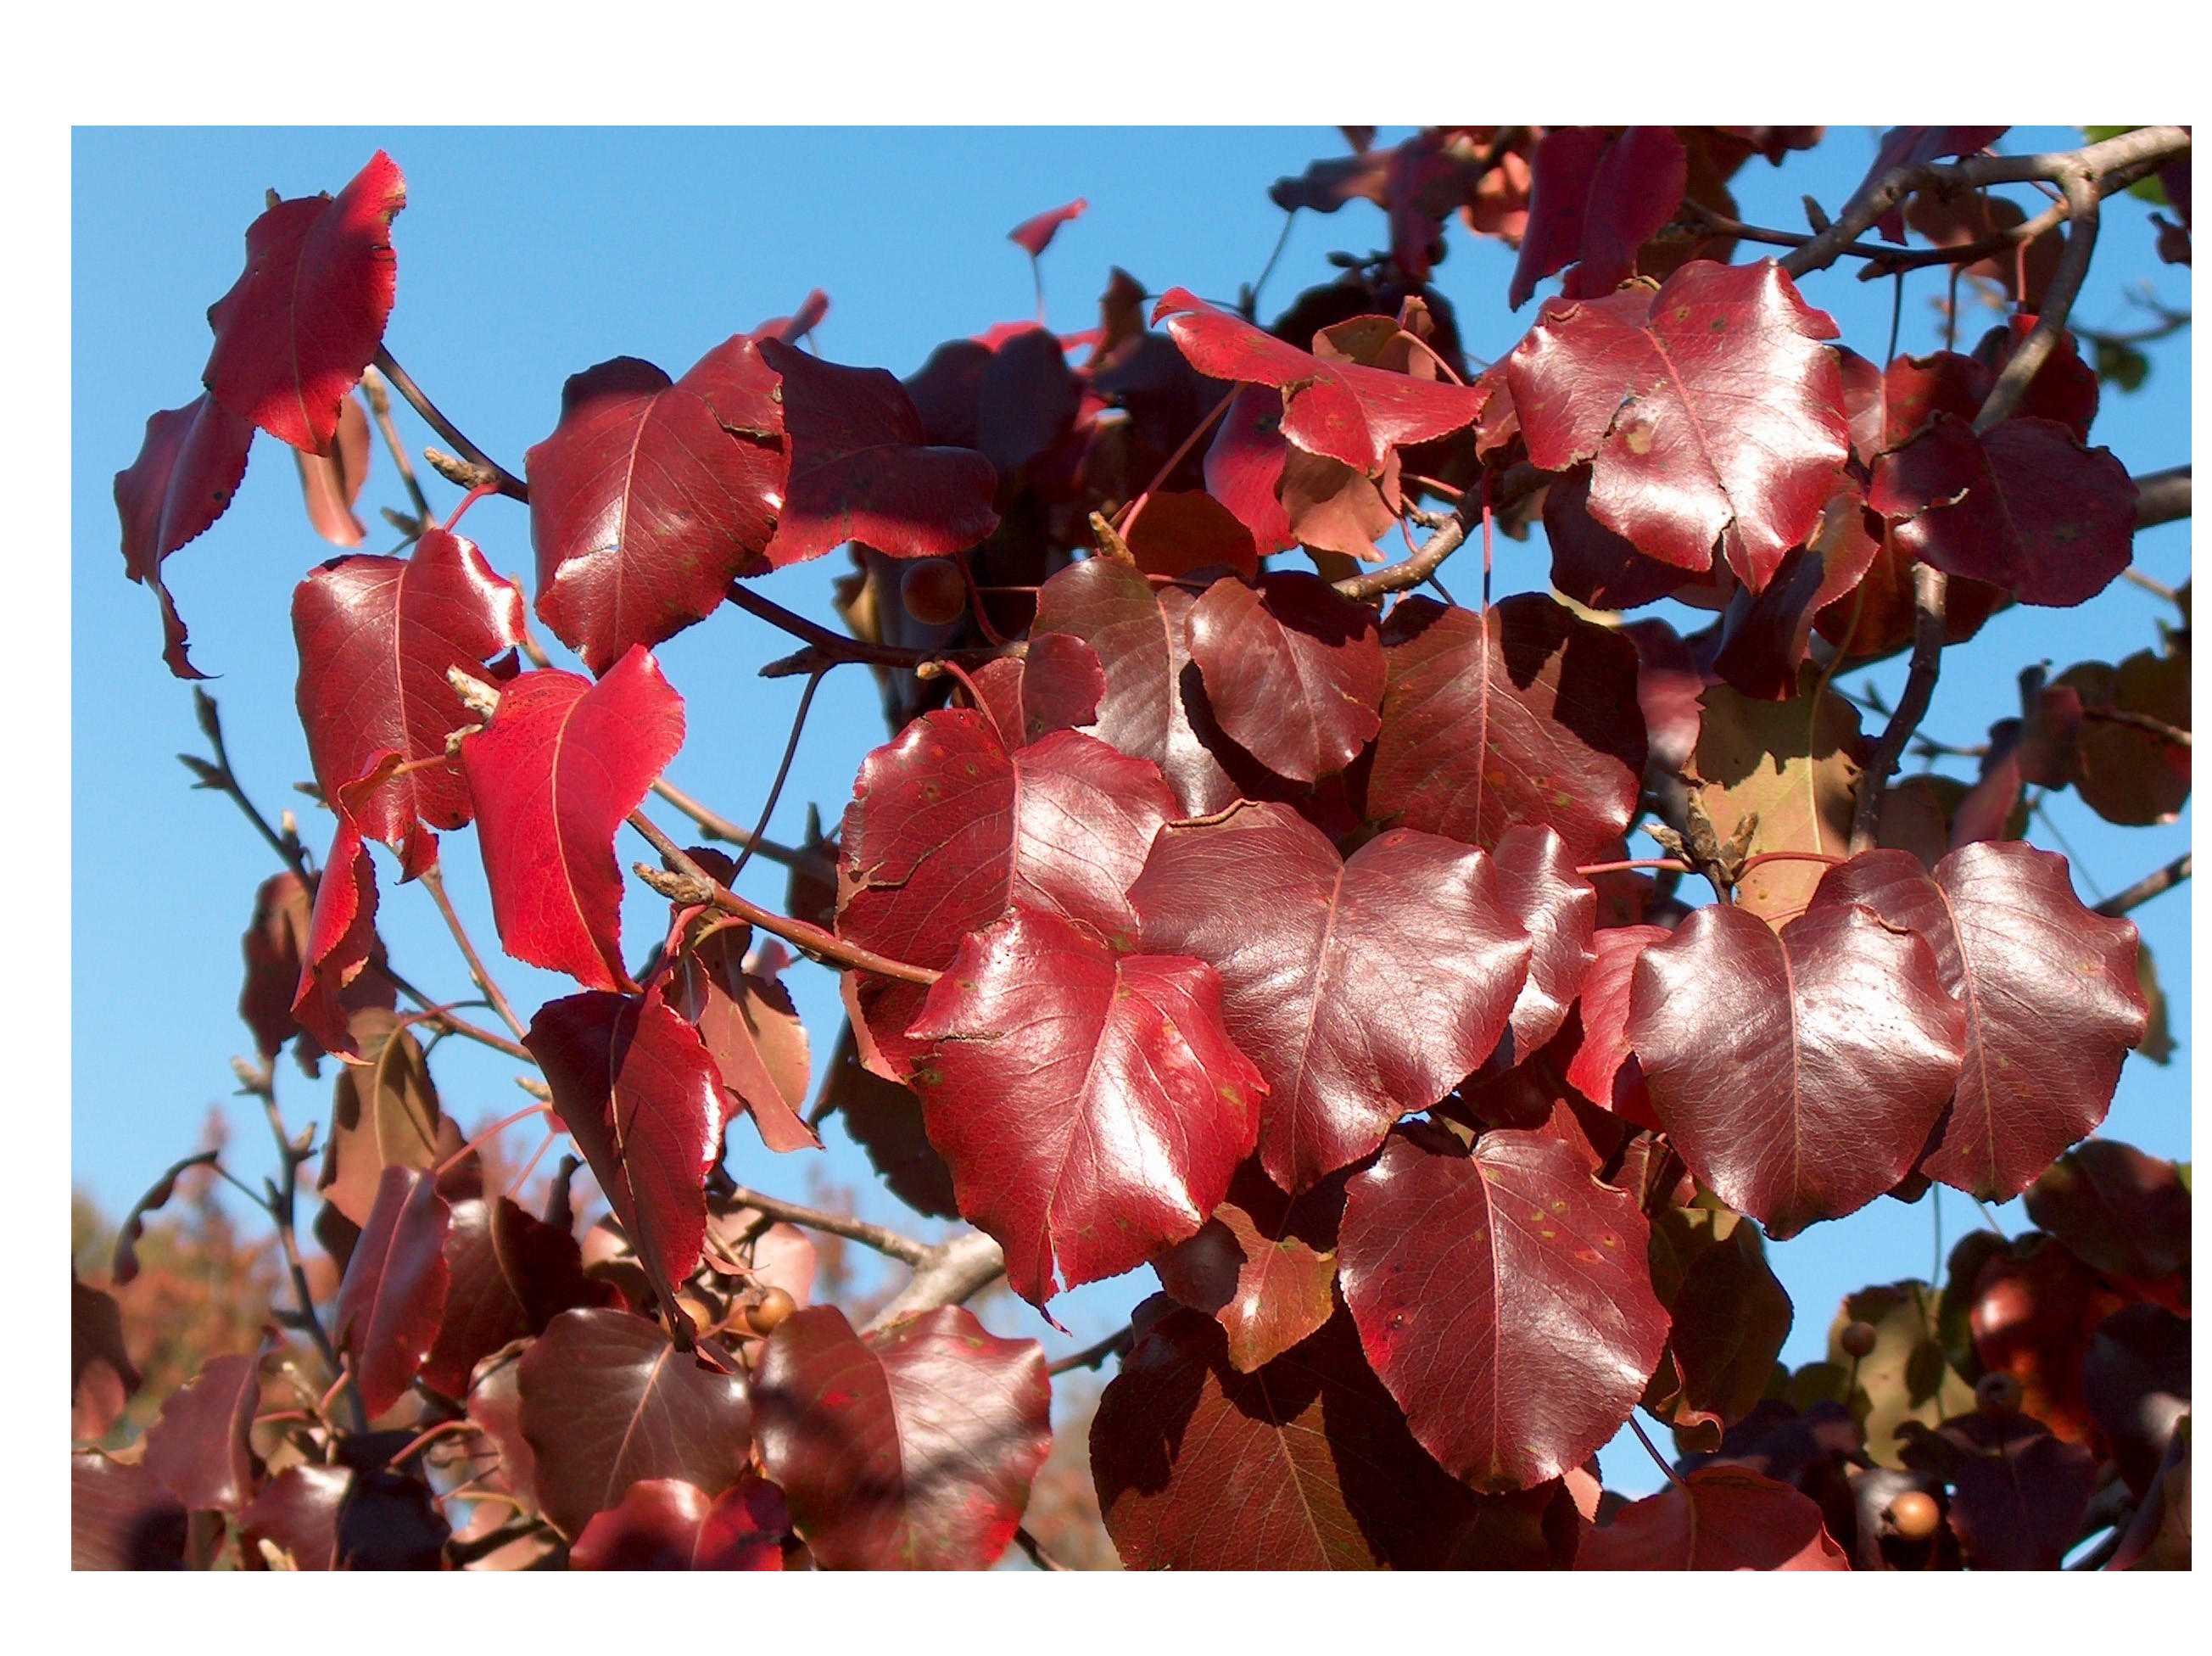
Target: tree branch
825, 648
2080, 185
1929, 587
2162, 497
434, 882
881, 1237
810, 864
493, 473
1116, 1344
2158, 728
954, 1270
2148, 888
1522, 481
1037, 1554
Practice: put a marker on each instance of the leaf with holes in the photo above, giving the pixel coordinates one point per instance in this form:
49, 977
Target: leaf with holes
1292, 671
1362, 991
187, 474
2048, 990
553, 776
1089, 1103
1650, 388
306, 315
394, 1293
1789, 1095
911, 1447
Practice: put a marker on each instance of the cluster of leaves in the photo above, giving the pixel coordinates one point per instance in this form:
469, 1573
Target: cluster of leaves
1275, 928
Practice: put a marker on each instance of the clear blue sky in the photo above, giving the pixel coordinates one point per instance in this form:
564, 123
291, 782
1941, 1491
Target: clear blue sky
528, 255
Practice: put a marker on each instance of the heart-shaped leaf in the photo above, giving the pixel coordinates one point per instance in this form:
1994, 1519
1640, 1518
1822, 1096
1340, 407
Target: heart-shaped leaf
198, 1447
187, 474
393, 1295
911, 1447
1293, 672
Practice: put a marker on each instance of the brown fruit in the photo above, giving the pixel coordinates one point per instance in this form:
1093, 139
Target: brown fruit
1857, 1339
1915, 1515
933, 591
774, 1305
1996, 1394
704, 1317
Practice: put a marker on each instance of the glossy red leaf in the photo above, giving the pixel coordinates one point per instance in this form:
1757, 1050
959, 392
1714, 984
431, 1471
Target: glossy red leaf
393, 1296
1888, 407
1183, 530
1304, 1464
510, 1274
1558, 908
1651, 389
1362, 991
1594, 199
1720, 1518
330, 484
862, 468
562, 762
639, 1093
911, 1447
665, 1523
198, 1446
2048, 991
1089, 1103
1033, 235
607, 1402
295, 332
341, 937
2024, 507
1268, 1292
1788, 1097
1057, 685
1524, 713
1345, 410
1292, 671
376, 637
1504, 1300
751, 1029
651, 495
1593, 566
1605, 1069
1140, 641
187, 474
1244, 467
121, 1518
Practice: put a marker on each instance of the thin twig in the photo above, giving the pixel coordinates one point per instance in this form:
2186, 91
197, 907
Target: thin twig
1116, 1344
493, 473
715, 826
881, 1237
1037, 1554
2162, 497
434, 882
2158, 728
2150, 885
1522, 481
783, 770
1929, 590
825, 648
379, 404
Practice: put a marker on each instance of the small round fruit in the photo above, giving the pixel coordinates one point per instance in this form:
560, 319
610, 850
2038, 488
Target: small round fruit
1915, 1515
702, 1316
933, 591
1857, 1339
1997, 1395
769, 1315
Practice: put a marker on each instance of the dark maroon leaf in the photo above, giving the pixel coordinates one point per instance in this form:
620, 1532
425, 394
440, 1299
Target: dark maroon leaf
884, 1119
122, 1519
1720, 1518
341, 938
2048, 991
1292, 671
282, 906
1888, 407
1140, 641
911, 1447
862, 468
641, 1096
2064, 389
607, 1401
1651, 389
1728, 1317
1057, 685
295, 332
1268, 1293
1244, 467
377, 636
388, 1519
1026, 399
1915, 146
2024, 507
198, 1447
1766, 636
126, 1266
2117, 1209
1034, 236
1362, 991
298, 1513
2128, 774
1785, 1100
1558, 908
2018, 1492
562, 764
185, 475
665, 1523
2135, 1380
1522, 714
1504, 1300
102, 1377
1180, 531
1594, 199
1089, 1103
1305, 1465
1593, 566
394, 1292
510, 1274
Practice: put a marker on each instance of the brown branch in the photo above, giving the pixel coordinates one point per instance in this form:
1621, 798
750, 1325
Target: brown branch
813, 865
1929, 587
825, 648
2148, 888
434, 882
954, 1270
882, 1239
2158, 728
1522, 481
2081, 200
2162, 497
379, 404
1116, 1344
493, 472
1037, 1554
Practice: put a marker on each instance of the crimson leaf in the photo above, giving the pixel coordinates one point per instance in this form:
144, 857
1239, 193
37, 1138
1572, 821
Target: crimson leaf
341, 937
188, 471
510, 1274
1593, 200
394, 1292
1033, 235
665, 1523
1718, 1517
1292, 673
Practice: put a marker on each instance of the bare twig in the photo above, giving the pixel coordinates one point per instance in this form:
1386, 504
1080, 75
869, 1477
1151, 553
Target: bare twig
881, 1237
715, 826
2149, 886
492, 472
825, 648
2162, 497
379, 404
1037, 1554
1517, 484
434, 882
954, 1270
790, 752
1929, 588
2158, 728
1116, 1344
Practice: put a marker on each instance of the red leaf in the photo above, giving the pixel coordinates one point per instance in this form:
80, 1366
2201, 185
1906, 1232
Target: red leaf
122, 1519
394, 1293
1268, 1293
1504, 1299
1651, 388
295, 332
1140, 641
1362, 991
2024, 507
1292, 673
1887, 408
1245, 468
1524, 713
1596, 198
1605, 1069
1347, 410
1180, 531
640, 1095
1593, 566
1305, 1465
187, 474
750, 1028
299, 1513
665, 1523
651, 495
1725, 1518
1768, 635
198, 1447
1558, 908
330, 483
607, 1401
1026, 398
1089, 1103
911, 1447
341, 937
861, 468
2117, 1209
2048, 989
510, 1274
1034, 236
1057, 685
562, 762
377, 636
1786, 1101
283, 913
102, 1377
1915, 146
